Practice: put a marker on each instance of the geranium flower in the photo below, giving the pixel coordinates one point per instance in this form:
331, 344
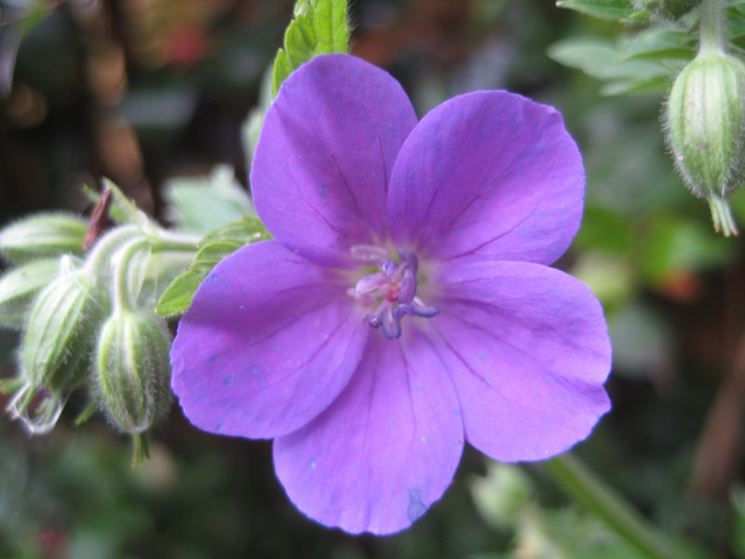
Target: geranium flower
405, 306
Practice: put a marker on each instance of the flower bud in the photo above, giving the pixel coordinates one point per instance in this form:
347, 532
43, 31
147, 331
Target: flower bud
19, 286
133, 370
706, 127
57, 343
45, 234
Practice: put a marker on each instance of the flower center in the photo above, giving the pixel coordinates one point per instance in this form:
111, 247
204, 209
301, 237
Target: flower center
390, 291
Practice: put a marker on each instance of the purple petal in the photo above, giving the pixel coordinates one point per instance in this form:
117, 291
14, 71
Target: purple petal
268, 343
324, 158
528, 350
489, 173
385, 450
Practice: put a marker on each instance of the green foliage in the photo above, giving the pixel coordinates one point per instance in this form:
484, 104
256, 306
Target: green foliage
645, 62
201, 204
218, 244
617, 10
507, 500
318, 27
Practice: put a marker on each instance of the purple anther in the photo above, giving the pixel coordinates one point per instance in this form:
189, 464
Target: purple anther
402, 310
407, 288
391, 325
419, 308
409, 258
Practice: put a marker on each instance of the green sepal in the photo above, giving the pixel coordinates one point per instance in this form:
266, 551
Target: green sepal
19, 286
61, 328
132, 370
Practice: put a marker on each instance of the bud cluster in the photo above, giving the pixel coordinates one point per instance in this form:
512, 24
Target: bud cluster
87, 319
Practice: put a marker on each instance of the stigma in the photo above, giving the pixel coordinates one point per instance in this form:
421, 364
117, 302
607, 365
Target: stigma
390, 292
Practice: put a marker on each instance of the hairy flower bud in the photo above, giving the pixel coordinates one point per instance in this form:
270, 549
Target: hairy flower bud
19, 286
45, 234
133, 370
706, 127
57, 343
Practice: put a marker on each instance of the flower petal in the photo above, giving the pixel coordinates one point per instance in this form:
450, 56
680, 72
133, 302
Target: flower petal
385, 450
320, 174
489, 173
268, 343
528, 350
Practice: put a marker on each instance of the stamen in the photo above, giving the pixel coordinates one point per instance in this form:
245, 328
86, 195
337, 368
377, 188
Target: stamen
408, 286
391, 325
369, 253
370, 283
422, 309
408, 257
390, 293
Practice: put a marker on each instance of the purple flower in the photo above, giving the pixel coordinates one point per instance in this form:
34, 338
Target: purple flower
406, 305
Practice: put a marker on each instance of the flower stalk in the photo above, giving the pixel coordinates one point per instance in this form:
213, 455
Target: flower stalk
609, 507
712, 26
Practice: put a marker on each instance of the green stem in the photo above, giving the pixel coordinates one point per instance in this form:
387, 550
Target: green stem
140, 450
122, 296
712, 26
164, 240
104, 248
584, 487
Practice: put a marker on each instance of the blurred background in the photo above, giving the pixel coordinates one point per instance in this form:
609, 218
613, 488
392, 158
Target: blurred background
147, 91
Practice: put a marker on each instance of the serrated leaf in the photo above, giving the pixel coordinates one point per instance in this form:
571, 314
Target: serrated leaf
319, 27
248, 229
178, 296
214, 247
604, 9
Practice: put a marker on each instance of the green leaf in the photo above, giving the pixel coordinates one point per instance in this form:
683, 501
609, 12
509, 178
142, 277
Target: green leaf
319, 27
200, 204
660, 45
214, 247
609, 61
604, 9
